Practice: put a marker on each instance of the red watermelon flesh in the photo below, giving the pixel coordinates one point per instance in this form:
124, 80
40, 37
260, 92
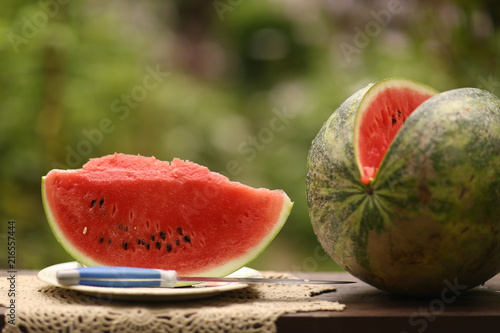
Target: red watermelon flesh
124, 210
380, 117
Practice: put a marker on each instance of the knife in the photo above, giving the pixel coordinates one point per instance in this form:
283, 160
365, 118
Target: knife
131, 277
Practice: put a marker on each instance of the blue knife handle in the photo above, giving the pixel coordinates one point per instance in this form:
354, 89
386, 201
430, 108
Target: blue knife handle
129, 277
120, 283
103, 272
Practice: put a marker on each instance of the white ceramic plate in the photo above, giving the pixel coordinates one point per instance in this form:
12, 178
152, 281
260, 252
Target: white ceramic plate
205, 290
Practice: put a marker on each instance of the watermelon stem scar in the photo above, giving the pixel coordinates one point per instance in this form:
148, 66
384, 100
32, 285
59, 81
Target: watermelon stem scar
382, 112
125, 210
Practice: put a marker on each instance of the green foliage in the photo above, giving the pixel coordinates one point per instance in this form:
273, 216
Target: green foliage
233, 68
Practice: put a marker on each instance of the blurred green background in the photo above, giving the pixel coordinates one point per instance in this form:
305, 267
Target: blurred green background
203, 80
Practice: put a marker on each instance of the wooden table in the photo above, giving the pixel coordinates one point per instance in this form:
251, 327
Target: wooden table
369, 310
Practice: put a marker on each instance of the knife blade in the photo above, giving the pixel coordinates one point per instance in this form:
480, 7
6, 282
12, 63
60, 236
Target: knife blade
132, 277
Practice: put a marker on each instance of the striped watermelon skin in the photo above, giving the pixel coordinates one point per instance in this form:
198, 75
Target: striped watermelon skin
432, 213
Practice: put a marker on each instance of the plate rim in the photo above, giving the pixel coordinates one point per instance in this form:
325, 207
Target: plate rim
47, 275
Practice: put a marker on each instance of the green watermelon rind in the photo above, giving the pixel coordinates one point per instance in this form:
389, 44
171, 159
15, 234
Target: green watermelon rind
218, 271
349, 217
450, 188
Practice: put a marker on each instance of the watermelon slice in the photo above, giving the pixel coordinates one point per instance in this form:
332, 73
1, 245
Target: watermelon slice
125, 210
381, 113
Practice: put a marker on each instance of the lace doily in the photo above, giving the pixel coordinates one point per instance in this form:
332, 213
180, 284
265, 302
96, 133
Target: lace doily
44, 308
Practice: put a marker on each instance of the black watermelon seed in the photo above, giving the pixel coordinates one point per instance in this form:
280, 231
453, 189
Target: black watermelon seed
101, 202
147, 246
125, 246
187, 239
179, 230
126, 228
101, 240
162, 235
121, 227
109, 242
177, 242
394, 120
138, 241
153, 237
92, 203
143, 242
169, 247
158, 245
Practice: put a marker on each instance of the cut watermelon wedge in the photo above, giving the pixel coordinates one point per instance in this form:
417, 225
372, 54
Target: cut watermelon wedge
124, 210
382, 111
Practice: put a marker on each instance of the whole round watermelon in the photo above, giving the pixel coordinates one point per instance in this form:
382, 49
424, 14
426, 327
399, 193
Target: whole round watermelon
403, 187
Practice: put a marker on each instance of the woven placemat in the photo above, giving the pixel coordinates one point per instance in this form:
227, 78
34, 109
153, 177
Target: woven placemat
44, 308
